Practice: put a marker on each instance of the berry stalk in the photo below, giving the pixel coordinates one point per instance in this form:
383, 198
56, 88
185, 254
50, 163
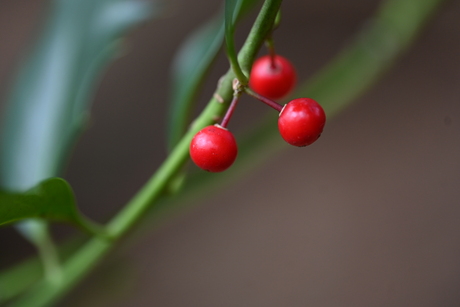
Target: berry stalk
230, 110
269, 42
271, 51
273, 104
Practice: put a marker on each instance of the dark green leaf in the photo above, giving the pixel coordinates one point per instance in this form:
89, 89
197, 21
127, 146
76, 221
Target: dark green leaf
52, 199
49, 103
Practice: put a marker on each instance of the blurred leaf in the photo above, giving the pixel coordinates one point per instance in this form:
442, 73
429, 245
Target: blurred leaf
52, 199
189, 70
191, 66
48, 105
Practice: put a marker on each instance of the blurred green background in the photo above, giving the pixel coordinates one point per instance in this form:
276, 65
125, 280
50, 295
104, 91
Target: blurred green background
367, 216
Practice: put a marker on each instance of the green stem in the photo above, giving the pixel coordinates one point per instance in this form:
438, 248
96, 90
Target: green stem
44, 293
232, 57
50, 260
37, 232
398, 22
153, 188
230, 19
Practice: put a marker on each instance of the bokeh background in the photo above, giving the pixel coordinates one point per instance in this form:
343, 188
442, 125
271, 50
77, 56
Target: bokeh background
367, 216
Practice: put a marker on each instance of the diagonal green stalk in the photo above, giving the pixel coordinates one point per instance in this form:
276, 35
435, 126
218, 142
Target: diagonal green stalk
348, 76
44, 293
398, 21
215, 109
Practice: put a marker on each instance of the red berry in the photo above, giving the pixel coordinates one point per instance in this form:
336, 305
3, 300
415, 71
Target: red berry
301, 121
213, 149
273, 82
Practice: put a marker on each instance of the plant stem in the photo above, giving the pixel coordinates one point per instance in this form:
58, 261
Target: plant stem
230, 44
268, 102
270, 43
153, 188
230, 19
271, 51
50, 260
348, 76
230, 110
44, 293
37, 232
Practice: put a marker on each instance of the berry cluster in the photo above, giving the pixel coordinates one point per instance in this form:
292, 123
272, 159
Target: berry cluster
300, 122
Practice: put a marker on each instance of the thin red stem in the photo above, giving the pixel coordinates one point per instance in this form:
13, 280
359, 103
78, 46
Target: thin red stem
265, 100
230, 111
271, 51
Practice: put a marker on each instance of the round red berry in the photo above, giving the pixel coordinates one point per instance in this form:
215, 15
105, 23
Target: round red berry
272, 79
301, 121
213, 149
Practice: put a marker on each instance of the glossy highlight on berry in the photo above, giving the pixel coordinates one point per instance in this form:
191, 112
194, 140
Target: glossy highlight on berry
272, 78
301, 121
213, 149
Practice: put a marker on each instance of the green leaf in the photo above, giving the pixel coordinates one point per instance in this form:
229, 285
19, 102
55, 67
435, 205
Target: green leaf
52, 199
191, 66
48, 106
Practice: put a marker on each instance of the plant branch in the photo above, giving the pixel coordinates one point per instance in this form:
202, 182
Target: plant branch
346, 78
44, 293
268, 102
37, 232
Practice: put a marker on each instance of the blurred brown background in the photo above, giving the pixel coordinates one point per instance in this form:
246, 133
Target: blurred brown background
367, 216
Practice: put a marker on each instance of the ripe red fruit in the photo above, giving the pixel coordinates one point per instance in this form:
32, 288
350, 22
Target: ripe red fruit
213, 149
273, 82
301, 121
